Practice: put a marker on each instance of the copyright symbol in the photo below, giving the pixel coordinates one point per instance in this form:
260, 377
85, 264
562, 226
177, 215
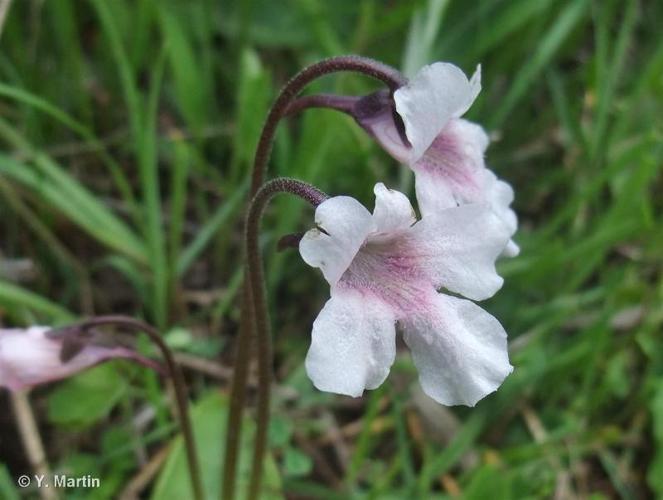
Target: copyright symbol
24, 481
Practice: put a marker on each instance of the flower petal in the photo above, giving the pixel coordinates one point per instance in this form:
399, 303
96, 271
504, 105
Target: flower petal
451, 171
458, 247
434, 193
345, 223
511, 250
386, 133
500, 197
393, 210
459, 350
353, 344
436, 94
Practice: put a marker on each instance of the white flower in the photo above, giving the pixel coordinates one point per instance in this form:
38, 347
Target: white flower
445, 151
386, 268
29, 357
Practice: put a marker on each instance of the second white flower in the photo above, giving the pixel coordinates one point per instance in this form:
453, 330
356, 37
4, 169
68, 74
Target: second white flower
386, 268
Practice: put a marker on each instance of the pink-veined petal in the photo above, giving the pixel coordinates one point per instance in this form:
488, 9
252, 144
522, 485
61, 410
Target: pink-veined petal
437, 93
393, 211
344, 224
457, 248
451, 171
352, 345
460, 351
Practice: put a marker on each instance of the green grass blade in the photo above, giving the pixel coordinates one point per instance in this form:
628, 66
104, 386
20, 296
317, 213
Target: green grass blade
182, 158
220, 217
123, 65
508, 20
548, 46
453, 451
190, 84
65, 194
424, 28
608, 79
18, 300
36, 102
149, 175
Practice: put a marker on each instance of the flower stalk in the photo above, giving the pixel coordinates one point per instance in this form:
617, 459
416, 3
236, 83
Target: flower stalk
369, 67
174, 372
32, 442
375, 69
261, 313
342, 103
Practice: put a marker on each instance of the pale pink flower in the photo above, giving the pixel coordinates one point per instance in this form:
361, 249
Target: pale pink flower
29, 357
422, 127
386, 269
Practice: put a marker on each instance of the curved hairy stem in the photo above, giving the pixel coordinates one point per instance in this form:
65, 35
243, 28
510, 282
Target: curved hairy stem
364, 65
375, 69
259, 300
238, 393
342, 103
178, 382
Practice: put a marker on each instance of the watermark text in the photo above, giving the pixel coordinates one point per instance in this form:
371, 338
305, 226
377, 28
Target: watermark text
58, 481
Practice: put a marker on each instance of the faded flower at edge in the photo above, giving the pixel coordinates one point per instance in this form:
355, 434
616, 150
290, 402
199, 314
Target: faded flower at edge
30, 357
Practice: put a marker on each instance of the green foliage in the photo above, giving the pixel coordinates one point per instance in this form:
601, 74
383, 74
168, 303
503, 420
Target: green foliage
655, 474
7, 485
21, 303
126, 138
209, 423
87, 398
489, 482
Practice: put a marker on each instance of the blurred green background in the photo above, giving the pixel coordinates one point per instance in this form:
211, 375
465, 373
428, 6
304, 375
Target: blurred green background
127, 129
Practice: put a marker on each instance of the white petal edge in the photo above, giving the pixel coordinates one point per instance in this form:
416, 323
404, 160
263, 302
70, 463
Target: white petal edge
393, 210
458, 248
500, 196
353, 344
512, 250
460, 351
436, 94
345, 223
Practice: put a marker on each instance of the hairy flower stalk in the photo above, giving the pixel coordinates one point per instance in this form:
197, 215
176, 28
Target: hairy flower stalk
258, 295
78, 333
369, 67
375, 69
